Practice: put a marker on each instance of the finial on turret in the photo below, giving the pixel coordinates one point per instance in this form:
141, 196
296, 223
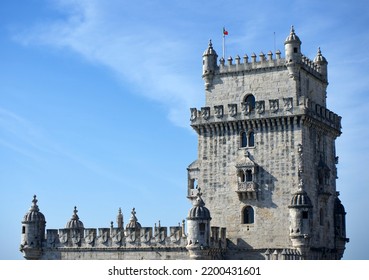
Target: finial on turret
292, 36
319, 58
34, 206
133, 215
75, 211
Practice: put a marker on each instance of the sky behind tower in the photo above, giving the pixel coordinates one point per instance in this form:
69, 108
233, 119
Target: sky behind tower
95, 98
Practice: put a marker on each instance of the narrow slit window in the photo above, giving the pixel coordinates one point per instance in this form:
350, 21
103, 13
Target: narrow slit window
251, 139
243, 139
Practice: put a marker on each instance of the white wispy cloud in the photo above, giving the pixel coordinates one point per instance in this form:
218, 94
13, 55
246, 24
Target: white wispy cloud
146, 56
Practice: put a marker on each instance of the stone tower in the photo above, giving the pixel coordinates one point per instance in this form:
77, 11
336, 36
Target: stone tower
266, 155
33, 232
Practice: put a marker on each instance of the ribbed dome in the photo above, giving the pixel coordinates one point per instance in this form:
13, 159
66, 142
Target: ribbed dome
74, 221
300, 199
133, 221
292, 36
210, 50
199, 211
34, 214
319, 57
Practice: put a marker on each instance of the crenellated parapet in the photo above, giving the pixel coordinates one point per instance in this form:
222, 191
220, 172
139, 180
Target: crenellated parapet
294, 61
247, 64
272, 112
267, 62
116, 237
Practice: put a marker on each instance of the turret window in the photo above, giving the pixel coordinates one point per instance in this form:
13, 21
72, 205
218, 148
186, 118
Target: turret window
248, 215
202, 228
23, 230
305, 215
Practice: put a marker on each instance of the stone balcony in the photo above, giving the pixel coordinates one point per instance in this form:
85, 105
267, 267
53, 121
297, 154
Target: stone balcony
248, 190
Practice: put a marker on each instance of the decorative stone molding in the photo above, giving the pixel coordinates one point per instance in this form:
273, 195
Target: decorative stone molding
274, 105
218, 111
205, 113
232, 109
260, 107
288, 103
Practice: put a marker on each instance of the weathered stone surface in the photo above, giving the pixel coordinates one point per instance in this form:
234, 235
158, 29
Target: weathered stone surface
266, 168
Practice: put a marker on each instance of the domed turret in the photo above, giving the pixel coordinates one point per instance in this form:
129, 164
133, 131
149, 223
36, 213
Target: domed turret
209, 65
292, 47
340, 227
33, 232
300, 199
321, 61
199, 211
74, 222
198, 221
133, 224
120, 218
300, 221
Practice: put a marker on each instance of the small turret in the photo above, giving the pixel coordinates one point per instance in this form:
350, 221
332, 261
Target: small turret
120, 222
75, 222
292, 47
340, 227
323, 65
33, 232
300, 221
133, 228
209, 65
198, 222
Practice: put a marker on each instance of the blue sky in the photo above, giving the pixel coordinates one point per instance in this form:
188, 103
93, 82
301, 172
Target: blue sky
95, 98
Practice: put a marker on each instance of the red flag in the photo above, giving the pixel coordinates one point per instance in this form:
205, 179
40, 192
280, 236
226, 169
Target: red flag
225, 32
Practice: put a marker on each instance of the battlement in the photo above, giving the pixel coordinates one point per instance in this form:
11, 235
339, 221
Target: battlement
264, 109
116, 237
263, 61
144, 237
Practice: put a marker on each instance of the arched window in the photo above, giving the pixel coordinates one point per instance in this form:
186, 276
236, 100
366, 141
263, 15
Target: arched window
248, 215
251, 139
248, 175
250, 102
243, 139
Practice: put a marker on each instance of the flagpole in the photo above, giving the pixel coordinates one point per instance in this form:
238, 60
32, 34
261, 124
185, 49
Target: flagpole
225, 32
223, 45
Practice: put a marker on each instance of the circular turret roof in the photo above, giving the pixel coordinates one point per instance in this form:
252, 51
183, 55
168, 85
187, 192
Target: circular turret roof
74, 221
210, 50
300, 199
34, 214
319, 57
133, 221
199, 211
292, 36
